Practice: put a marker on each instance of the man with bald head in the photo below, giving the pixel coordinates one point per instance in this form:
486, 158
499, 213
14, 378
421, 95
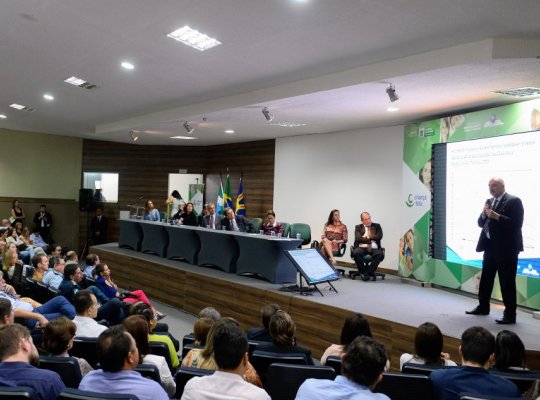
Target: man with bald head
501, 241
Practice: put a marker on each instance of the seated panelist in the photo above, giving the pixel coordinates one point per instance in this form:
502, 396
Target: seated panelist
334, 235
271, 225
187, 216
367, 240
233, 222
211, 219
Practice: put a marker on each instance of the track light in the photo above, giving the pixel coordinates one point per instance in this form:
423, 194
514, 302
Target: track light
188, 127
133, 136
391, 92
266, 112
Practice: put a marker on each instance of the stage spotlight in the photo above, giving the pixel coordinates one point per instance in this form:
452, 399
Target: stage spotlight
188, 127
133, 136
391, 92
266, 112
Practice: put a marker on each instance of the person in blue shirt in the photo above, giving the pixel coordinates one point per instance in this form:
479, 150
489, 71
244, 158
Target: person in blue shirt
18, 355
118, 356
363, 365
477, 354
150, 213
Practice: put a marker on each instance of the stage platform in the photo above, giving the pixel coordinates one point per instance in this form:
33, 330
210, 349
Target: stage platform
394, 307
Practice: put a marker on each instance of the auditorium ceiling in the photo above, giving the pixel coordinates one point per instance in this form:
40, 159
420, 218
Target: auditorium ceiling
319, 66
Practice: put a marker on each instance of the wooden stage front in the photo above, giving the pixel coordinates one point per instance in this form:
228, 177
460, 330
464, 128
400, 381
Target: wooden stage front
394, 309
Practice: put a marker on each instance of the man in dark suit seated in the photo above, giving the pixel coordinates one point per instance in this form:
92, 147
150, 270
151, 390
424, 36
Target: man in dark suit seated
263, 334
367, 240
233, 222
212, 220
477, 355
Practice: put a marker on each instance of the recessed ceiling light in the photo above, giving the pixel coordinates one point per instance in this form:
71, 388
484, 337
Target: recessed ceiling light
194, 38
520, 92
229, 131
392, 109
47, 96
75, 81
286, 124
127, 65
183, 137
17, 106
3, 116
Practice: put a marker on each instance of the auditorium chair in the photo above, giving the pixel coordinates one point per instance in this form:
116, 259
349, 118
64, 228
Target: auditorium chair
367, 260
188, 339
421, 369
188, 347
76, 394
523, 379
284, 380
255, 225
184, 374
149, 371
286, 229
340, 252
16, 393
45, 293
85, 347
67, 367
471, 396
261, 361
303, 230
401, 386
334, 362
161, 349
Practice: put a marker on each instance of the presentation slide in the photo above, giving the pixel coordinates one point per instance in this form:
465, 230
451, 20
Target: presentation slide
470, 165
312, 265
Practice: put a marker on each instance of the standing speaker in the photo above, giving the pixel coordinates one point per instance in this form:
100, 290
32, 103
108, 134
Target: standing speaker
86, 199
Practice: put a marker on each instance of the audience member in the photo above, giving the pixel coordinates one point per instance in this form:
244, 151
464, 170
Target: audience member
17, 213
428, 346
367, 241
282, 330
137, 326
56, 251
263, 334
72, 256
363, 365
209, 312
54, 277
150, 213
99, 227
187, 216
43, 221
86, 307
232, 222
25, 253
40, 262
230, 346
18, 357
7, 312
200, 330
91, 261
271, 226
37, 239
118, 357
58, 340
477, 353
5, 287
204, 358
334, 235
354, 326
212, 220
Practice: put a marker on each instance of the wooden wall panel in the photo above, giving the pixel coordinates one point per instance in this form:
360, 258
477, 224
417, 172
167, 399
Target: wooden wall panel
144, 172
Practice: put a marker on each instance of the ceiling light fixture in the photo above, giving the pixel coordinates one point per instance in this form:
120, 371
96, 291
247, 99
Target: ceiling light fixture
392, 109
133, 136
49, 97
20, 107
183, 137
194, 38
287, 124
80, 83
127, 65
229, 131
391, 92
188, 127
2, 116
266, 112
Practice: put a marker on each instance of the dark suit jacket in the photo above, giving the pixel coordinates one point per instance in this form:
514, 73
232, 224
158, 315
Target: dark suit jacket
506, 232
241, 221
217, 218
375, 233
101, 227
47, 218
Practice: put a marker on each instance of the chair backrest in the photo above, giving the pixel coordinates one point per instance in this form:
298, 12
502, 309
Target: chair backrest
67, 367
161, 349
334, 362
286, 229
76, 394
471, 396
45, 293
16, 393
400, 386
88, 281
261, 361
85, 347
149, 371
523, 379
304, 230
421, 369
189, 347
184, 374
284, 380
255, 225
252, 346
188, 339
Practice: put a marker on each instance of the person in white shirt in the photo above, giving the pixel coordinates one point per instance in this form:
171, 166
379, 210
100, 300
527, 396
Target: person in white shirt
230, 353
86, 307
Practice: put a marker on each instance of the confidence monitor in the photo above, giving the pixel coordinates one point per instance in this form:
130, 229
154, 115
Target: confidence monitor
313, 267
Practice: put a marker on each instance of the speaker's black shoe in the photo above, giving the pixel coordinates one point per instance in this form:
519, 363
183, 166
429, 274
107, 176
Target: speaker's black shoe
365, 277
506, 320
478, 311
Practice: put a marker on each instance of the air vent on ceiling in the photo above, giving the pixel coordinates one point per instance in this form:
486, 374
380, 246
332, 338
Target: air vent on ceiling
521, 92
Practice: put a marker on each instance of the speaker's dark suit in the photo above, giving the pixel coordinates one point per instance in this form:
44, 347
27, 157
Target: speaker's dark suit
241, 221
217, 221
501, 251
99, 228
375, 234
